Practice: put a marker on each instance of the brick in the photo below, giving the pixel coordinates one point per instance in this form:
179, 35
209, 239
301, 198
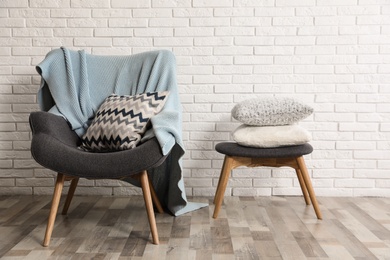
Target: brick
275, 31
243, 3
339, 79
14, 3
194, 31
148, 13
372, 173
293, 21
251, 21
110, 12
274, 50
171, 3
189, 108
335, 2
93, 42
16, 191
111, 32
287, 60
336, 59
262, 88
91, 3
175, 41
12, 42
272, 69
365, 127
295, 3
29, 13
196, 51
48, 182
317, 11
255, 41
155, 32
292, 79
49, 3
213, 41
335, 40
130, 4
7, 182
212, 3
171, 22
375, 39
72, 32
318, 30
213, 22
373, 19
224, 108
51, 42
12, 22
70, 13
243, 79
87, 23
236, 31
233, 12
200, 79
125, 22
364, 30
317, 69
274, 11
356, 69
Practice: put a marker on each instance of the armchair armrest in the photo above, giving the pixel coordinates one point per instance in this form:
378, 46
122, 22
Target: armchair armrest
44, 123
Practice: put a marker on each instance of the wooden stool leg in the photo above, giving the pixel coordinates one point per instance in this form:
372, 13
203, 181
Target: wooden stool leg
69, 197
303, 186
54, 207
306, 178
222, 183
149, 206
155, 199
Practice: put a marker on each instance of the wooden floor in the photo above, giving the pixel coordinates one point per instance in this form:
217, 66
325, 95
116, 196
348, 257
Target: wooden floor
247, 228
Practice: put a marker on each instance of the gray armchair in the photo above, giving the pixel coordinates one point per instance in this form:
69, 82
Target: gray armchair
55, 146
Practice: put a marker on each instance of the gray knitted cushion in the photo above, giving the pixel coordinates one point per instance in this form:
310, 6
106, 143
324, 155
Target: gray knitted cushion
270, 111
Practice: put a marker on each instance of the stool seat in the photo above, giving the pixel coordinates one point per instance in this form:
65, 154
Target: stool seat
290, 156
234, 149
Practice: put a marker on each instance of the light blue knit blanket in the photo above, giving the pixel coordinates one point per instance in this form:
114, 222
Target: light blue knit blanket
75, 83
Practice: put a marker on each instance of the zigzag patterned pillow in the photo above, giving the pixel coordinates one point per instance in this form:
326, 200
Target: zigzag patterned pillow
121, 121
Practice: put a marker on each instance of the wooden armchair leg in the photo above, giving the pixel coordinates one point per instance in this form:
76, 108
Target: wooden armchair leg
306, 179
69, 197
149, 205
155, 199
54, 207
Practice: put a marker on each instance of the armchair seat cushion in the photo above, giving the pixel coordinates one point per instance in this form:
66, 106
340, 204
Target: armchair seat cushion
54, 142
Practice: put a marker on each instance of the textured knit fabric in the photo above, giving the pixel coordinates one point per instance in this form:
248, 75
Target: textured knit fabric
270, 111
74, 84
270, 136
234, 149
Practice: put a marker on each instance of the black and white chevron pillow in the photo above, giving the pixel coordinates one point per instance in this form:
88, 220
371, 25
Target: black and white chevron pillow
121, 121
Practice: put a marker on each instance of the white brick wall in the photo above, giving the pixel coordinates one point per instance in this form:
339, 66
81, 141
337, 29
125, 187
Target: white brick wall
332, 55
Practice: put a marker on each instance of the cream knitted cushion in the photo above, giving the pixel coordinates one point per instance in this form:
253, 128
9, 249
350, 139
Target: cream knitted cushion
271, 136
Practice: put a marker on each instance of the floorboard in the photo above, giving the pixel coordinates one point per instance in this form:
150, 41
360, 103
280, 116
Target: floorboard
98, 227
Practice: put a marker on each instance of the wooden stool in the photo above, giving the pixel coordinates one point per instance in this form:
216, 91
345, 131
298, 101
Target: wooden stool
292, 156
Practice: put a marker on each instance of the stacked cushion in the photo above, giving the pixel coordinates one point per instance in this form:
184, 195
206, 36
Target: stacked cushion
271, 122
121, 121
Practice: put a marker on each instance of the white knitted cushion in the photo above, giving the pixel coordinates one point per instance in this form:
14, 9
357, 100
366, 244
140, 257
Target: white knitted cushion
271, 136
270, 111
